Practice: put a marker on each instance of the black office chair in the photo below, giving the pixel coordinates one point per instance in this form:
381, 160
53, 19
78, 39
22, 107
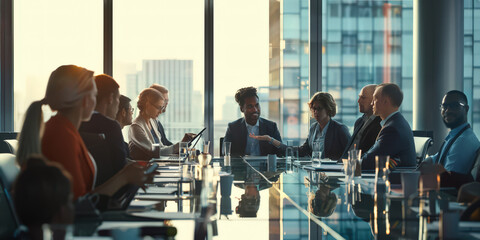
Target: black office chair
4, 148
423, 141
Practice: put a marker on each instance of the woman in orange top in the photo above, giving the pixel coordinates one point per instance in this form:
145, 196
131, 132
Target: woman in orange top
71, 92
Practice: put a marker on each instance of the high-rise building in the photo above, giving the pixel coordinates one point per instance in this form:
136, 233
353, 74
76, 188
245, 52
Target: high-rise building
183, 113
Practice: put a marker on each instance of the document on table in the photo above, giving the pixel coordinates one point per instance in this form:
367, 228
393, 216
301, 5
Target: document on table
325, 167
165, 215
158, 190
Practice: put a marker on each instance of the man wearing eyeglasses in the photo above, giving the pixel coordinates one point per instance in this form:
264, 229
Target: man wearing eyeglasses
457, 153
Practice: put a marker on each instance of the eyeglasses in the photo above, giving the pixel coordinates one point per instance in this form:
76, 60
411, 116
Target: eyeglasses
131, 109
452, 106
159, 108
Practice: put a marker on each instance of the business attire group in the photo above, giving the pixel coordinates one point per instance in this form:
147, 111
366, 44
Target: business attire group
88, 105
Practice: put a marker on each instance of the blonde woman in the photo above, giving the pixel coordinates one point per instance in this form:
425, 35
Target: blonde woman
145, 141
71, 92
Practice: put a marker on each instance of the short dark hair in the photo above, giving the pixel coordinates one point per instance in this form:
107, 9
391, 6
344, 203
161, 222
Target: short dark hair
244, 93
459, 94
39, 191
326, 100
105, 86
123, 104
392, 91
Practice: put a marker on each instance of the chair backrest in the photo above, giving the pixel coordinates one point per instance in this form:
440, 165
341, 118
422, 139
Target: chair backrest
4, 148
8, 218
476, 167
12, 145
8, 169
422, 144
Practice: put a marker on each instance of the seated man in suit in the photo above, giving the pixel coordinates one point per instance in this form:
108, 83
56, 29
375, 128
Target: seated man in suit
366, 127
125, 116
457, 154
161, 130
109, 161
239, 130
395, 138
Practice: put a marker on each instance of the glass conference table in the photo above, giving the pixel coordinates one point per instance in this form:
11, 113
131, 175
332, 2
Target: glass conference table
285, 201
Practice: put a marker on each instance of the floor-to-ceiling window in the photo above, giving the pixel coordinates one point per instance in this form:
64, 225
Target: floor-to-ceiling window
48, 34
162, 42
263, 44
366, 42
471, 52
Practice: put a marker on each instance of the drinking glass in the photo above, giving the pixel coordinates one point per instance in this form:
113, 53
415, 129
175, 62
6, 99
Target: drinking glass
381, 173
183, 150
227, 147
289, 155
316, 154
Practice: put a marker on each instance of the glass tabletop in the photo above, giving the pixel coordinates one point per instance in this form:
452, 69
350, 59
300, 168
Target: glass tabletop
285, 201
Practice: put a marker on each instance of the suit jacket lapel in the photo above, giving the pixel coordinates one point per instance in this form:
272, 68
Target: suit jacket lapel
262, 131
327, 145
243, 135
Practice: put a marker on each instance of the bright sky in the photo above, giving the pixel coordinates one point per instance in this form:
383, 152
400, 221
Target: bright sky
55, 32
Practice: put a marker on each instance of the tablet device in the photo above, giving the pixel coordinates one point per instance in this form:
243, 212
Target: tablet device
197, 136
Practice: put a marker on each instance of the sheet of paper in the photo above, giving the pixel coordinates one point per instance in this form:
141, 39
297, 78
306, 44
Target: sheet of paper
158, 190
165, 215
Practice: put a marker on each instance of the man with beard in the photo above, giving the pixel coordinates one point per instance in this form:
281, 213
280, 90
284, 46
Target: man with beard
457, 154
239, 130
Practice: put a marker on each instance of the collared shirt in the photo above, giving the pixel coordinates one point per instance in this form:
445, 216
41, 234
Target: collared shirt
253, 145
386, 119
462, 153
366, 121
319, 136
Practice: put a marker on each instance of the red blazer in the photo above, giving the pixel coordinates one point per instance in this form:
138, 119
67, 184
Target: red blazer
62, 143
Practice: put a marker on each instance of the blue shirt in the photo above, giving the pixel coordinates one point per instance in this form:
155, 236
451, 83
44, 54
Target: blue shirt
253, 146
461, 156
319, 136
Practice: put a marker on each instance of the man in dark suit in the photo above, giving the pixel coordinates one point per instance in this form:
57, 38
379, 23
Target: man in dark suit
161, 130
109, 155
395, 138
366, 127
125, 116
239, 130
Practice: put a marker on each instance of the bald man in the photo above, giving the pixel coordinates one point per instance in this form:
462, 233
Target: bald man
366, 127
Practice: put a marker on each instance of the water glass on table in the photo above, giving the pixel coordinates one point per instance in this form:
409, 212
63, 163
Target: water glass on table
183, 150
289, 152
227, 147
316, 154
381, 173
